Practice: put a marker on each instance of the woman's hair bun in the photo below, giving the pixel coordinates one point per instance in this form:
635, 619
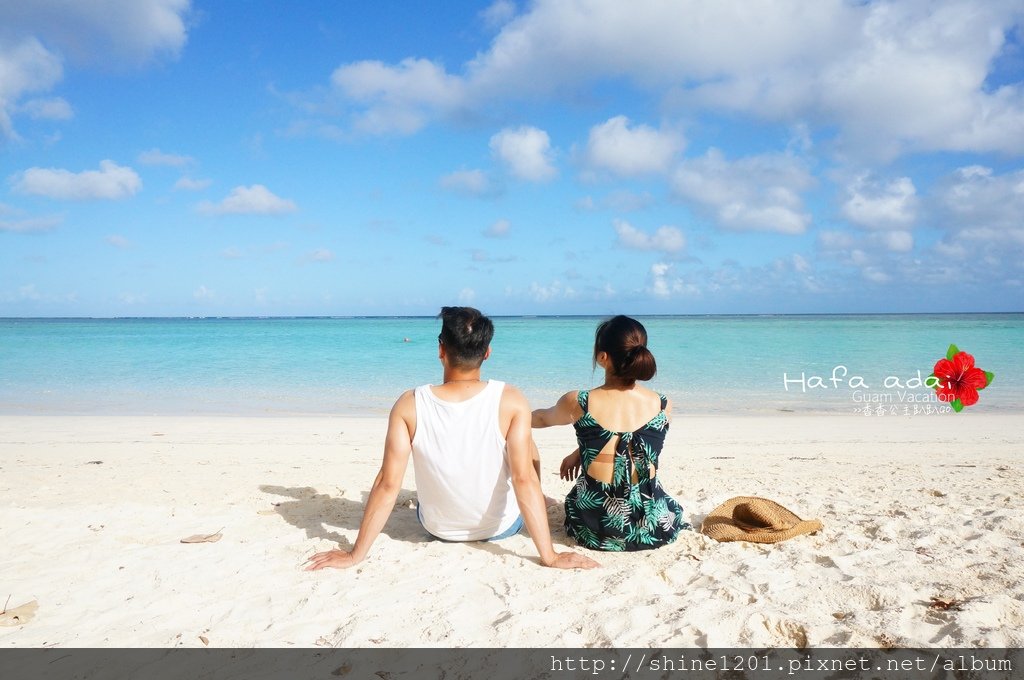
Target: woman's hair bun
625, 341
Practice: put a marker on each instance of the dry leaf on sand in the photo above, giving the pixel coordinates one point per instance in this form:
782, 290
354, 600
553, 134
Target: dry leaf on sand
19, 615
946, 604
203, 538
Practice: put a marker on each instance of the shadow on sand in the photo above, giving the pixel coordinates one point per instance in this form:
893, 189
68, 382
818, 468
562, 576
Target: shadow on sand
318, 514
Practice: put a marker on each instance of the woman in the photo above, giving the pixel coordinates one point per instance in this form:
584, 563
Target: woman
617, 502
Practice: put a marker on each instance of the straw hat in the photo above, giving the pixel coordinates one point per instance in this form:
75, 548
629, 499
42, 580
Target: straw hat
759, 520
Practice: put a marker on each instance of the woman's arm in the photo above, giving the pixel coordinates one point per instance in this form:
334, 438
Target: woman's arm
565, 412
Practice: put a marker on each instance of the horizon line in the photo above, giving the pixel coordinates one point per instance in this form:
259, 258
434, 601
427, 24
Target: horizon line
493, 316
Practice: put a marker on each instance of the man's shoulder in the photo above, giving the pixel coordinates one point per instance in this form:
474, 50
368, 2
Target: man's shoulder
405, 402
508, 389
512, 396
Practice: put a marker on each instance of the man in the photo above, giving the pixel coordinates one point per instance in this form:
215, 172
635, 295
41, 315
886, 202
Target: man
477, 477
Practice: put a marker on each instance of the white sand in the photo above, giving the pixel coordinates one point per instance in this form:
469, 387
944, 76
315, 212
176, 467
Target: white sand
913, 507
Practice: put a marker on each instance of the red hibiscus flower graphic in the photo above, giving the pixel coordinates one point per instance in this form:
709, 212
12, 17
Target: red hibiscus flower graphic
957, 380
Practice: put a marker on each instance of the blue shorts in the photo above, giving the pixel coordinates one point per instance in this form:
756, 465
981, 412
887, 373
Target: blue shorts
511, 531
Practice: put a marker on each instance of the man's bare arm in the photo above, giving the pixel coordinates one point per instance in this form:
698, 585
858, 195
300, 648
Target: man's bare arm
526, 485
397, 449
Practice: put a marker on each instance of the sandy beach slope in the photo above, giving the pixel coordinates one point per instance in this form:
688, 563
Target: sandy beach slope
92, 511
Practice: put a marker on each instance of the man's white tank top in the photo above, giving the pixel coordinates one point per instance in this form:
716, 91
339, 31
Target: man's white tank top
459, 458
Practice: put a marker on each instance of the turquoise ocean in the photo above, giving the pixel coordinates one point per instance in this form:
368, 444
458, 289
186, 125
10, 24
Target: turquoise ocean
358, 366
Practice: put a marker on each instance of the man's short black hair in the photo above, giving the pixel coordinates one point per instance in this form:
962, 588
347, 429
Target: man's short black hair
466, 334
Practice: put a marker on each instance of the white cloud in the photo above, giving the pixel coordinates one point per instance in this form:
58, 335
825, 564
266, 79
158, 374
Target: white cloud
800, 263
947, 251
888, 76
615, 147
526, 151
866, 251
398, 99
29, 293
498, 230
118, 241
975, 197
203, 293
832, 240
52, 108
321, 255
25, 66
31, 225
252, 200
556, 290
586, 204
666, 239
875, 275
498, 13
650, 42
620, 200
897, 241
660, 286
980, 211
109, 32
474, 182
756, 193
915, 78
466, 296
158, 157
192, 184
664, 283
991, 235
111, 181
874, 205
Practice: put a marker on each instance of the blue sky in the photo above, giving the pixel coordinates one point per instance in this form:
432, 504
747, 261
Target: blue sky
167, 157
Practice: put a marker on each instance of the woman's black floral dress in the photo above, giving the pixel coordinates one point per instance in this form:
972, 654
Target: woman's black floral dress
622, 515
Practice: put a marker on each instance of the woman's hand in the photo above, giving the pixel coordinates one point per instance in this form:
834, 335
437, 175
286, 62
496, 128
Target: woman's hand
570, 468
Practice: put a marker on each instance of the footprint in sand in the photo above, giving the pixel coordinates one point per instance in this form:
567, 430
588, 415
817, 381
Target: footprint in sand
788, 633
